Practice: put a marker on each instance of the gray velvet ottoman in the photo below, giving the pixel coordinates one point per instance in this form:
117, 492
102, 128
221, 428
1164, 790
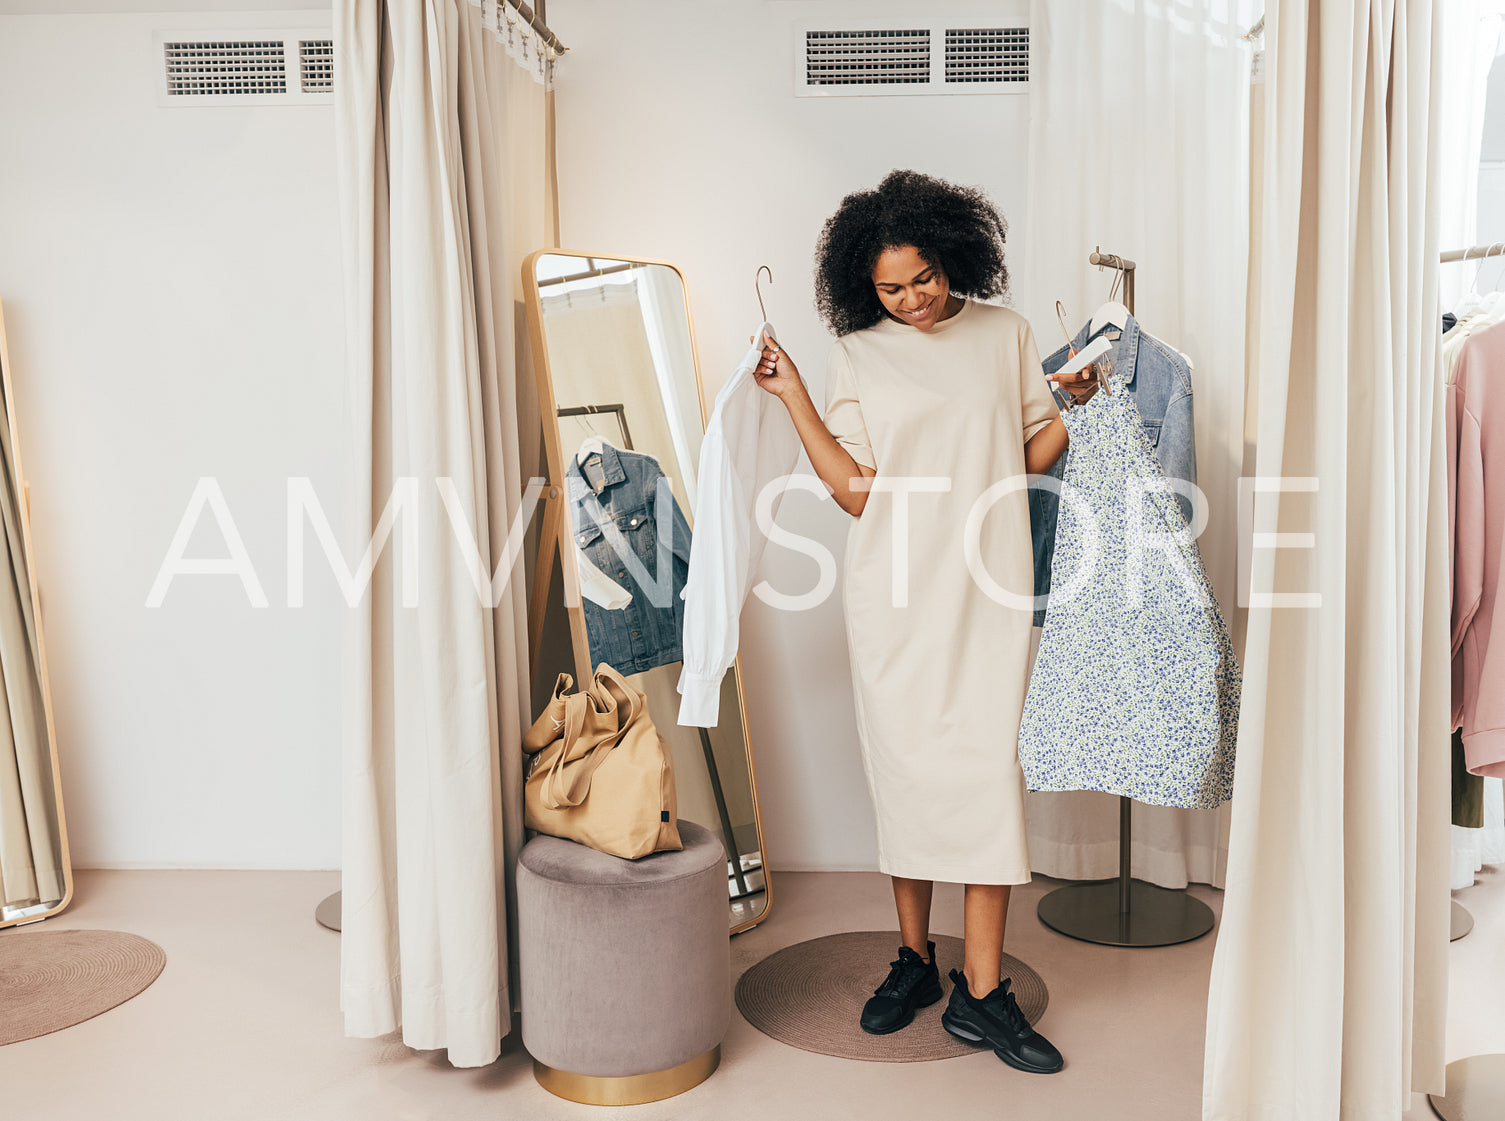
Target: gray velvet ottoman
626, 967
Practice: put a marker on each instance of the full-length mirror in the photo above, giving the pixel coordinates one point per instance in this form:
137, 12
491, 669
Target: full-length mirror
625, 413
35, 879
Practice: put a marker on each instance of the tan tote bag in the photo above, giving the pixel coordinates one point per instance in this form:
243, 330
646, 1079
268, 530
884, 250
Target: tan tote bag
602, 775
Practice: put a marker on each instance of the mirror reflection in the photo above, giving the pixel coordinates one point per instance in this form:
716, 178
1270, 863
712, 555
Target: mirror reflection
622, 363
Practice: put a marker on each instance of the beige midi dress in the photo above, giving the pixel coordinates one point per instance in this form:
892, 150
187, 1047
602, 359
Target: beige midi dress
937, 583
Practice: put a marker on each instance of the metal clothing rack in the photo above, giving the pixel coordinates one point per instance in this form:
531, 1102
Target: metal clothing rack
620, 411
1476, 1084
1462, 920
1125, 911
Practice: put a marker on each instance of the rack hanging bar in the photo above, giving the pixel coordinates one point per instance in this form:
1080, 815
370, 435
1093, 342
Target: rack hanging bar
1473, 253
1123, 265
1110, 261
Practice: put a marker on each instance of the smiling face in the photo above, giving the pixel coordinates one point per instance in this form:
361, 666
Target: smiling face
912, 290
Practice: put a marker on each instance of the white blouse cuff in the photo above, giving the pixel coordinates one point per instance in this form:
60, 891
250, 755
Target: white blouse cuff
700, 705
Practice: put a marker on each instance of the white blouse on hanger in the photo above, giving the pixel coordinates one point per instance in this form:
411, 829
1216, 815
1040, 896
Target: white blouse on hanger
749, 443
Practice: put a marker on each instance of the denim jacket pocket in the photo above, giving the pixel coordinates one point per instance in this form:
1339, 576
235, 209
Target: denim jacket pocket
1152, 430
586, 534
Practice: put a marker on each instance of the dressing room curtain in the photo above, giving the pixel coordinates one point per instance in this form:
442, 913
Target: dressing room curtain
1329, 976
442, 151
1168, 189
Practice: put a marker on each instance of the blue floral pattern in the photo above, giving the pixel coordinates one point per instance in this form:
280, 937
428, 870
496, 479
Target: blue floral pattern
1135, 689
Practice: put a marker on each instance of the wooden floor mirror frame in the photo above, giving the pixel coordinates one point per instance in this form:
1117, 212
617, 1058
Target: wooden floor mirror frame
554, 509
23, 497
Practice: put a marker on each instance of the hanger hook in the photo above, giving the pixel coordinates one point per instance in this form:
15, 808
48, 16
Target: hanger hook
758, 287
1061, 318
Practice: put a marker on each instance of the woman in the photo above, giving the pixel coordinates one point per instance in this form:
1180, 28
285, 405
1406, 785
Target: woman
935, 406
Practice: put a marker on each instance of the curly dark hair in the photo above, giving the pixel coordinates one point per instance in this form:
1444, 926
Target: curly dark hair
957, 229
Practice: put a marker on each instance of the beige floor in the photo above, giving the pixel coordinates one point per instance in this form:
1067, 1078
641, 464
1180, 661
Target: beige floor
244, 1022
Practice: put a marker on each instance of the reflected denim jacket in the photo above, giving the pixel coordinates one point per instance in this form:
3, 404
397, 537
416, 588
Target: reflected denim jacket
626, 522
1159, 382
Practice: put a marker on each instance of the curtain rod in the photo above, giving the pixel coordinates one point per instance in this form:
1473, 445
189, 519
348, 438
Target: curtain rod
535, 21
1474, 252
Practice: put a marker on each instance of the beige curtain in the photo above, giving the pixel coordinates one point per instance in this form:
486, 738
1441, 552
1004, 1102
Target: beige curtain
31, 860
1329, 977
444, 187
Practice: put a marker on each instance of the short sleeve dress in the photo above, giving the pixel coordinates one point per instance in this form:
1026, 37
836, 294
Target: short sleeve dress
937, 583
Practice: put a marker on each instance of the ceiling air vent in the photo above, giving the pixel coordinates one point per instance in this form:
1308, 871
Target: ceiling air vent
994, 54
224, 67
871, 61
867, 58
316, 59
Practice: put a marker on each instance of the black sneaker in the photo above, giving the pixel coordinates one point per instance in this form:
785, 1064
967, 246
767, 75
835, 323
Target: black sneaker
912, 983
996, 1021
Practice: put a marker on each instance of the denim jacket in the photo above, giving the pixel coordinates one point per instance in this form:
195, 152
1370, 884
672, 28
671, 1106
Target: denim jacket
1159, 382
618, 500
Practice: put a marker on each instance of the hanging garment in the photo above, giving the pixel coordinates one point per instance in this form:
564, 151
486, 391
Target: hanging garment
1135, 689
599, 588
940, 654
1159, 382
1476, 464
627, 525
749, 443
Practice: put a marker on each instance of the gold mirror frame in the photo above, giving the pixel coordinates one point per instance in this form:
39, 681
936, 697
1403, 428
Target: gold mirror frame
23, 489
554, 512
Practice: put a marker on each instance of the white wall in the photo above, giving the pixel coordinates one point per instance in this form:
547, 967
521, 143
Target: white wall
680, 137
170, 279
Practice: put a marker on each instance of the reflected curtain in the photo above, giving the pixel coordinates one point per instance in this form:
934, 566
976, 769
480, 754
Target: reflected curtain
1329, 976
31, 859
442, 154
1166, 188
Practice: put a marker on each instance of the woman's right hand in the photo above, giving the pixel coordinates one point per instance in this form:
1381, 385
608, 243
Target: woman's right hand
776, 371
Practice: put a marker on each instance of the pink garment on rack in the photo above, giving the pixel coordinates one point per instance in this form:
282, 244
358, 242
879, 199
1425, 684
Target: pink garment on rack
1476, 524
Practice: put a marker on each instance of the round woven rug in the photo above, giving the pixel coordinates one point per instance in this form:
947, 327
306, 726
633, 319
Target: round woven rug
53, 979
811, 994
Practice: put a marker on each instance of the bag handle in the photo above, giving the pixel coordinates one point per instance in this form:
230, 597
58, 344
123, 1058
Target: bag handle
608, 685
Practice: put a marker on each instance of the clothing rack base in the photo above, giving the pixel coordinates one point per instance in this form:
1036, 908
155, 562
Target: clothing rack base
1156, 916
1125, 911
1461, 923
1476, 1090
331, 912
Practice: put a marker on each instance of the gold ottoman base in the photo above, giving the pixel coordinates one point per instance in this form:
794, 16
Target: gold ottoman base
632, 1089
